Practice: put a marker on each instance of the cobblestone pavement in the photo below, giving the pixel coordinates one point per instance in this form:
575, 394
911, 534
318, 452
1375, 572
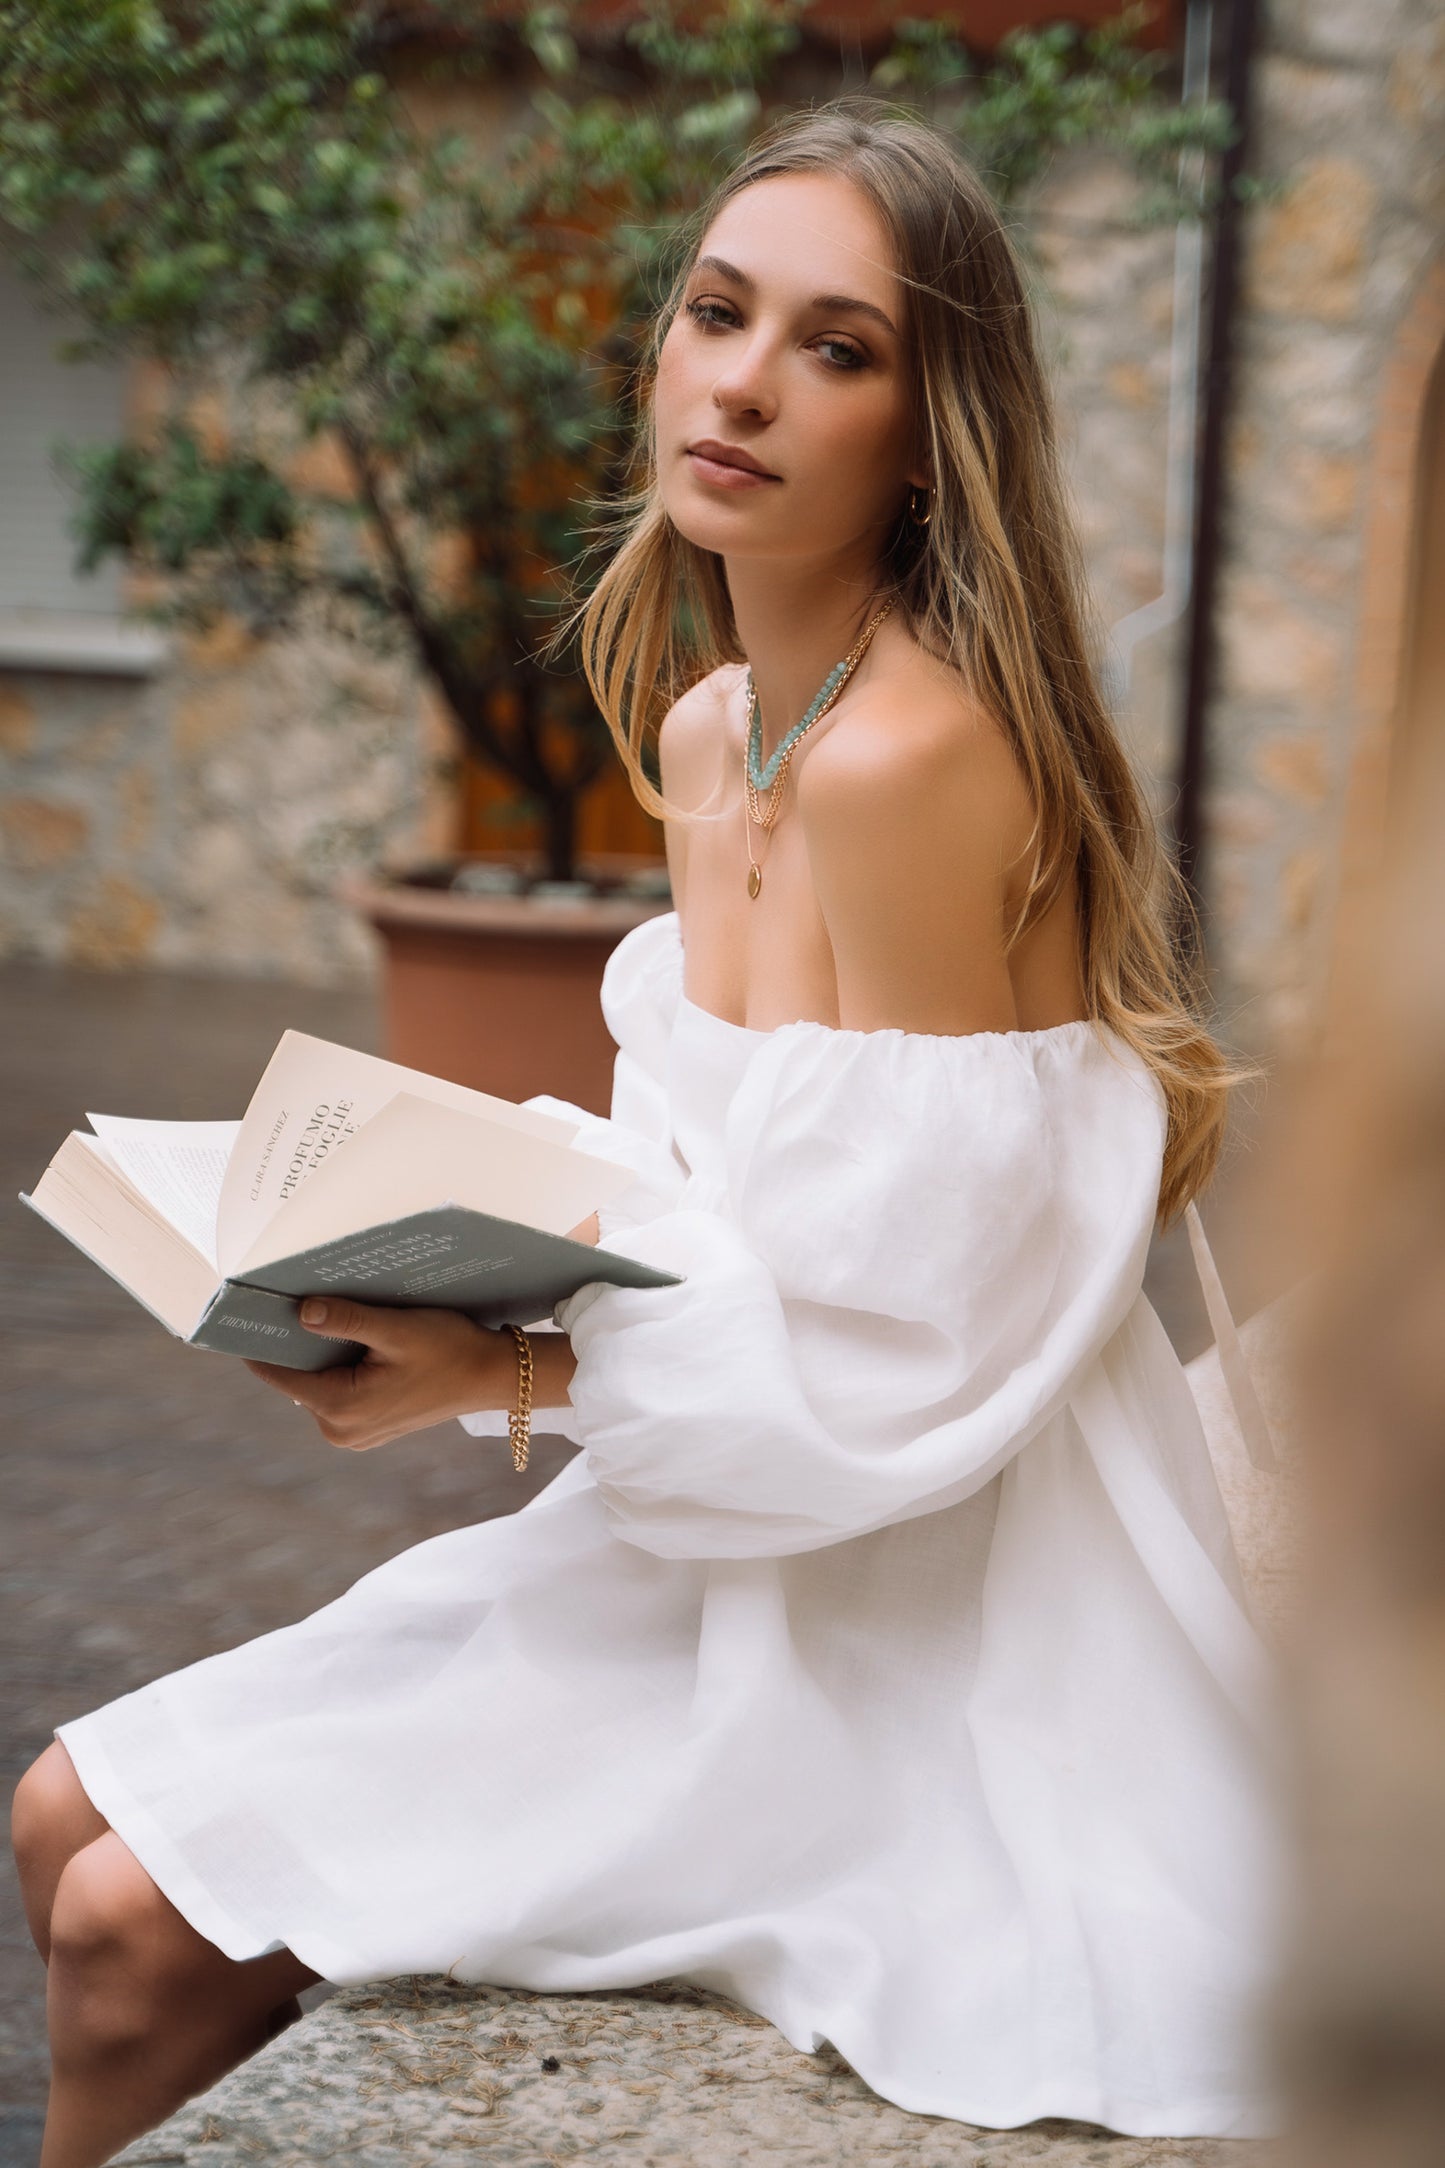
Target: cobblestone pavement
161, 1504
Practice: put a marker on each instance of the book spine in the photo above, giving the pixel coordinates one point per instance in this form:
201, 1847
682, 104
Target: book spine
242, 1320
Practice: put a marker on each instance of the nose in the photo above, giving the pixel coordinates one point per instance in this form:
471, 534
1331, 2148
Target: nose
746, 386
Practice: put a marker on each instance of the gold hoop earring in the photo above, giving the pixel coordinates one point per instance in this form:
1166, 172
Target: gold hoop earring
915, 517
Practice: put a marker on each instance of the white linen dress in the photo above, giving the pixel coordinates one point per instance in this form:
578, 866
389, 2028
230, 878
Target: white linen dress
882, 1661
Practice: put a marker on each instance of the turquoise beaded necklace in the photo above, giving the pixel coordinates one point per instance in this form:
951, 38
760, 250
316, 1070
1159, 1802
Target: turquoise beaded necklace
771, 775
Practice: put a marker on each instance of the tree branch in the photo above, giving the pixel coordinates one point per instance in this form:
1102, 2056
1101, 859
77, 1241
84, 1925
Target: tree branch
464, 695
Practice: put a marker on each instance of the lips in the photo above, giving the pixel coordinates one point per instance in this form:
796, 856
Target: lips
717, 461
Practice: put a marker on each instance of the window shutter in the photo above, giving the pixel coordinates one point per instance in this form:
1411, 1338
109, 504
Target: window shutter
43, 399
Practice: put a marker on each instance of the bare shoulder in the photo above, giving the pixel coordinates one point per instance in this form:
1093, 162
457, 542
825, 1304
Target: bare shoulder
918, 746
916, 813
692, 738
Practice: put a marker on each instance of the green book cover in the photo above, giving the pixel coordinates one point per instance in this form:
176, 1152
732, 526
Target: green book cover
496, 1270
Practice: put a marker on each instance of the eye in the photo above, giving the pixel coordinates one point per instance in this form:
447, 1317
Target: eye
843, 354
712, 315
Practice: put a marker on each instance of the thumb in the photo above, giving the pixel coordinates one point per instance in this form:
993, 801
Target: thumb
333, 1318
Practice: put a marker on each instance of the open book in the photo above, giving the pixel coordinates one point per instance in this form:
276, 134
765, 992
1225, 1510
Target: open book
347, 1175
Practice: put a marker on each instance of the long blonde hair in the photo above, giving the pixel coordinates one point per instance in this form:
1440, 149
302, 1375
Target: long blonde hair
994, 585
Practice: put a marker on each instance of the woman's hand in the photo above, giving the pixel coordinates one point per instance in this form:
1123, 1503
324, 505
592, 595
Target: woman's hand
420, 1367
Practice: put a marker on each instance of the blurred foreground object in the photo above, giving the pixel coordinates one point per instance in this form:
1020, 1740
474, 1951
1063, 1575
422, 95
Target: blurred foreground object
1362, 2023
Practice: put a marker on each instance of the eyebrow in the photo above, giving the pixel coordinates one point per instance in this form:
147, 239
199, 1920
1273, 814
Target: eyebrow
832, 302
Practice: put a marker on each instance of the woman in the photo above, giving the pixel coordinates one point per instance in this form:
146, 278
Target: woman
882, 1660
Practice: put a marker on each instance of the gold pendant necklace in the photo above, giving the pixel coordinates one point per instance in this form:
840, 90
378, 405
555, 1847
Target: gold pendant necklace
763, 815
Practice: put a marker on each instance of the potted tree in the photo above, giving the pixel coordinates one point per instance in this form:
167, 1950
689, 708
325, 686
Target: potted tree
257, 202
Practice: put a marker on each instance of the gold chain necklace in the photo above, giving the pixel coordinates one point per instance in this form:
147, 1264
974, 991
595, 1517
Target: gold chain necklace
763, 813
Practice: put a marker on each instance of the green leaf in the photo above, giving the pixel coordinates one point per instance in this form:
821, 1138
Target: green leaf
719, 121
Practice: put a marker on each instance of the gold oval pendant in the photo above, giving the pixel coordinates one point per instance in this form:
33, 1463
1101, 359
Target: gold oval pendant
755, 879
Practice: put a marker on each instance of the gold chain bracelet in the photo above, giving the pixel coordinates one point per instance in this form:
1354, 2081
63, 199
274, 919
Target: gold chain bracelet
519, 1422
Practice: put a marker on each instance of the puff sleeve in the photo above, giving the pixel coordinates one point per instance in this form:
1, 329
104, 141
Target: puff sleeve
920, 1243
639, 1005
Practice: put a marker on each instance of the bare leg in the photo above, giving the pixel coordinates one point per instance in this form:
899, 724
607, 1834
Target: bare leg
143, 2011
51, 1819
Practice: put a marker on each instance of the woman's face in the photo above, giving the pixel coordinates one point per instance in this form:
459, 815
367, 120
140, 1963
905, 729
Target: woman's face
781, 401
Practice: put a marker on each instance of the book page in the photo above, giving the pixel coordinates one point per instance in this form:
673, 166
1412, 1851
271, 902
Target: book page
312, 1099
86, 1196
415, 1155
177, 1166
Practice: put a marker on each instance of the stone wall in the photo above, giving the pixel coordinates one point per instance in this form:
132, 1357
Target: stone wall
1349, 124
1105, 303
200, 819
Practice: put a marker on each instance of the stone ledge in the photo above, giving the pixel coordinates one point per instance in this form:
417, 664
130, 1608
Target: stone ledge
421, 2072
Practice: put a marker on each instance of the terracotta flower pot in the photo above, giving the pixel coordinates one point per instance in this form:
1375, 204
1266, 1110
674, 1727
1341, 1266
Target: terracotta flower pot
501, 991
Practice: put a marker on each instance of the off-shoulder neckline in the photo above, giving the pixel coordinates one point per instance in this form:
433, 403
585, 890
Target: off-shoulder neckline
1061, 1032
1048, 1032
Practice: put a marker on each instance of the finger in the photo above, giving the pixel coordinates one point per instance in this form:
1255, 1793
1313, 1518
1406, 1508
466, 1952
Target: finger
324, 1392
273, 1374
333, 1318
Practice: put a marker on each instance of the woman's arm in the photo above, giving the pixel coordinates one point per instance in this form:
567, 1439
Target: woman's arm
926, 1240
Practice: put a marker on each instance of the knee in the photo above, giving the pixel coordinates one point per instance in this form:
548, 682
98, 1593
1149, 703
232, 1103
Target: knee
38, 1808
51, 1816
118, 1949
